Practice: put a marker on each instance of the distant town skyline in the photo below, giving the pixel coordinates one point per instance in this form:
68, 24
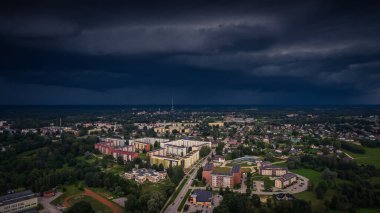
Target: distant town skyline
195, 52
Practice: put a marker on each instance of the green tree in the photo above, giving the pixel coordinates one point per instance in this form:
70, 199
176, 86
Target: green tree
81, 206
204, 151
131, 202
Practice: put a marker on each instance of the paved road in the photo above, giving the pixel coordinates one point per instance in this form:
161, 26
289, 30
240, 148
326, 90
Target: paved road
300, 186
173, 207
49, 208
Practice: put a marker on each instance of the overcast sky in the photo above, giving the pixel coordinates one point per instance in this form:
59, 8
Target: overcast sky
200, 52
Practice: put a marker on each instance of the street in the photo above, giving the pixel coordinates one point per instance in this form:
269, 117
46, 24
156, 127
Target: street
174, 206
49, 208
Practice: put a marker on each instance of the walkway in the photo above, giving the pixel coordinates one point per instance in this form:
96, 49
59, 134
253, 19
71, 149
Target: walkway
49, 208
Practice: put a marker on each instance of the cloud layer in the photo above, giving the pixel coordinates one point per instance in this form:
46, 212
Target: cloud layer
215, 52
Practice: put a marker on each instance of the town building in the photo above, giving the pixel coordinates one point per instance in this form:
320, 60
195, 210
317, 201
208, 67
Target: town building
285, 180
141, 175
177, 153
146, 144
218, 159
267, 169
220, 124
18, 202
206, 173
117, 148
201, 197
222, 177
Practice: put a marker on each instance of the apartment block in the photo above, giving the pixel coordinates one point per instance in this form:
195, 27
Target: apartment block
223, 177
285, 180
177, 153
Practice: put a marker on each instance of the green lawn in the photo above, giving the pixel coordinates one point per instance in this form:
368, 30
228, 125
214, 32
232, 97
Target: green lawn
316, 204
115, 169
70, 190
91, 159
222, 169
372, 156
143, 156
366, 210
312, 175
268, 183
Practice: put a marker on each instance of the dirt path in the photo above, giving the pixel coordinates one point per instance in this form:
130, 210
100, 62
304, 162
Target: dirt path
115, 208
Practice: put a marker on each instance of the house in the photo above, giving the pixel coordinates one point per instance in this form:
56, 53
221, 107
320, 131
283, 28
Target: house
18, 202
285, 180
201, 197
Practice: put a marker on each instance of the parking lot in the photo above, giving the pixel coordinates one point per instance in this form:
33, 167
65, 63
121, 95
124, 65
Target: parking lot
299, 186
258, 186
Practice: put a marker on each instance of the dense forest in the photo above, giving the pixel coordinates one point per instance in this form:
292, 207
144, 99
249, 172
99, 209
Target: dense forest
36, 163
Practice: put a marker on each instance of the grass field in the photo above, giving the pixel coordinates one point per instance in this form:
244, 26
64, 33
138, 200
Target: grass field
246, 169
143, 156
115, 169
222, 169
371, 156
91, 159
365, 210
315, 178
70, 191
312, 175
96, 205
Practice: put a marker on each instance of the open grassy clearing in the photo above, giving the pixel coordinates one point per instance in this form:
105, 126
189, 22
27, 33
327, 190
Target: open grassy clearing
371, 156
70, 190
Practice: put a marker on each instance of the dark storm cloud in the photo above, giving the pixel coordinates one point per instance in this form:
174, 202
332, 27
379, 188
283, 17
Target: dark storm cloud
202, 52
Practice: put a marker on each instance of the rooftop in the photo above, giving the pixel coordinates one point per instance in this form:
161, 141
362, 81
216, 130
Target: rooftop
221, 170
202, 195
208, 167
16, 197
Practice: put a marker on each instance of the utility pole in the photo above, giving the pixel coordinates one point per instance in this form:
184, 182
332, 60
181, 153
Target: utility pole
172, 104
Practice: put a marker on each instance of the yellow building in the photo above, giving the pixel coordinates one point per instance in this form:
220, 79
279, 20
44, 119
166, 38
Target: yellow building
165, 161
177, 153
285, 180
220, 124
18, 202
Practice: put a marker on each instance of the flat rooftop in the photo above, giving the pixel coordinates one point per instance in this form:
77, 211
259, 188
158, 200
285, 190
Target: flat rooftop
16, 197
